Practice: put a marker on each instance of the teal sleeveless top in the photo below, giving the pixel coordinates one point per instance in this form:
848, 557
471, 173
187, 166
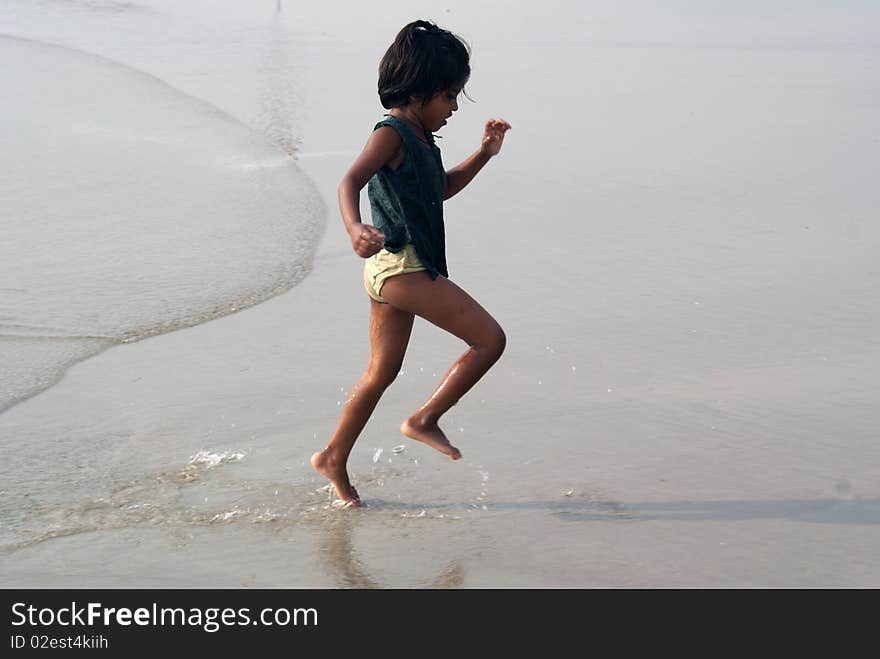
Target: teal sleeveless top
407, 203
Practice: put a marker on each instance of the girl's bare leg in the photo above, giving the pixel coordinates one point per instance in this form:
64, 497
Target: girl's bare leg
442, 303
390, 329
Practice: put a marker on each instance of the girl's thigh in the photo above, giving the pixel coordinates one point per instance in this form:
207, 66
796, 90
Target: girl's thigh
444, 304
390, 329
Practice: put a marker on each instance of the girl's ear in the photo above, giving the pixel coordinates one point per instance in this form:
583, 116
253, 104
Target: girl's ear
418, 101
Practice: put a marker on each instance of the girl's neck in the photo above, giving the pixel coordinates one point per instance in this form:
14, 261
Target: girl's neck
409, 117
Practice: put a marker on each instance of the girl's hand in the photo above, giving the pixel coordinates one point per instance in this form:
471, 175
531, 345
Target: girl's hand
366, 240
493, 136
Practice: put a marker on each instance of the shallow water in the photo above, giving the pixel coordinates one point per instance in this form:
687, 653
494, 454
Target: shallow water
131, 208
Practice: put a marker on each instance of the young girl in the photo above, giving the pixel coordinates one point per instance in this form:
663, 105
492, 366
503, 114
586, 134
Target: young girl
420, 78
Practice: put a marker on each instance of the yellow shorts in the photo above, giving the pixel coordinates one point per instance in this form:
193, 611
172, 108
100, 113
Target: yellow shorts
385, 264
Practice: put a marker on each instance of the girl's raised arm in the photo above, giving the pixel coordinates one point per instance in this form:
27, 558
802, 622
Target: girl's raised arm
380, 149
461, 175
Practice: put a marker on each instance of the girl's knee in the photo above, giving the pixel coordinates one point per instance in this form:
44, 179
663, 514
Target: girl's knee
381, 377
499, 342
494, 342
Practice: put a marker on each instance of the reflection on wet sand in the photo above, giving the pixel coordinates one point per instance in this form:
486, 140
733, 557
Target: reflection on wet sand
338, 555
280, 97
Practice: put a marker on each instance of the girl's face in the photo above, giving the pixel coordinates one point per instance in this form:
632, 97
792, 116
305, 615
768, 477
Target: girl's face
439, 109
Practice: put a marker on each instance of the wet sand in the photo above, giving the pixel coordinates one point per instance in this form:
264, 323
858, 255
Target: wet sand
688, 397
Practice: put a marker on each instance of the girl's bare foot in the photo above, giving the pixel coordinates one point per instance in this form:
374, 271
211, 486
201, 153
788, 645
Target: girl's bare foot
430, 434
325, 464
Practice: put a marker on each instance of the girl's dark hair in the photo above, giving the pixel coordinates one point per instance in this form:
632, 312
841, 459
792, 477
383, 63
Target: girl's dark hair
423, 60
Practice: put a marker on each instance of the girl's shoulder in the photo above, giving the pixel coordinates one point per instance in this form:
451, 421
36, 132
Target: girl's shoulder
388, 141
404, 131
394, 123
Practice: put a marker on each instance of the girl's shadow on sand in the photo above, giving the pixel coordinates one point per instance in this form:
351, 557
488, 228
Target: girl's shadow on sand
594, 509
817, 511
338, 553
